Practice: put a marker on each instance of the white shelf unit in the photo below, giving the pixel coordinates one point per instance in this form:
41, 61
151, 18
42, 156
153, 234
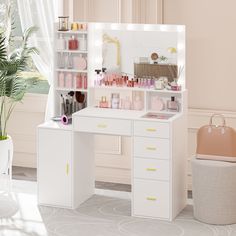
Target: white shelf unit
55, 153
58, 88
97, 92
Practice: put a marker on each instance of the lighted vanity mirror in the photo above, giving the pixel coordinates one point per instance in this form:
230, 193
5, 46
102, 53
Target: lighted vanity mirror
136, 50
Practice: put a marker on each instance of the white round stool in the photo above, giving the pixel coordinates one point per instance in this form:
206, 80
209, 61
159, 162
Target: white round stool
214, 191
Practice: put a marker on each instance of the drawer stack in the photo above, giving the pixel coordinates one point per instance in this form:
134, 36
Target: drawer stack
151, 169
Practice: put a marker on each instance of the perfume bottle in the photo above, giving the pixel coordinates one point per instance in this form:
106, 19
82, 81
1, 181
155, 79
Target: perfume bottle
73, 43
173, 105
103, 103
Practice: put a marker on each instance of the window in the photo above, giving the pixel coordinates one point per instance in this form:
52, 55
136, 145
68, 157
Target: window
43, 86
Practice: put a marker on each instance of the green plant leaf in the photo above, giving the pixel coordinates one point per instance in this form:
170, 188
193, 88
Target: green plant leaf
3, 51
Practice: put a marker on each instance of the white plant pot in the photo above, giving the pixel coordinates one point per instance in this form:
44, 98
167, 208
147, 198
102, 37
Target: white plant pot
6, 154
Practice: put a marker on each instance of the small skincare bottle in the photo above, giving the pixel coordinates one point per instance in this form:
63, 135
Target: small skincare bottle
137, 103
115, 100
61, 43
173, 105
97, 78
83, 43
61, 80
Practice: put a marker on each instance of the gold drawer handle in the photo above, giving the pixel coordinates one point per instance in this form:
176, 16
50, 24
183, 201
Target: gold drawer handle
151, 198
151, 130
67, 169
102, 126
151, 169
151, 148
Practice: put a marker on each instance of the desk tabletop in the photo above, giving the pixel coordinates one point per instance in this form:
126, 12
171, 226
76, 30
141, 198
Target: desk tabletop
121, 114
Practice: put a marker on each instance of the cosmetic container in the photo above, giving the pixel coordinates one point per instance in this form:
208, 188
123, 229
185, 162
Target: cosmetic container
69, 80
83, 43
172, 105
73, 43
97, 78
63, 23
137, 103
115, 100
79, 62
61, 43
61, 80
103, 103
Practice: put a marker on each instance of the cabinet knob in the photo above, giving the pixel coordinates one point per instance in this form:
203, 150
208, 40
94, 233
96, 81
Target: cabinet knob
102, 126
151, 169
67, 169
151, 148
151, 198
151, 130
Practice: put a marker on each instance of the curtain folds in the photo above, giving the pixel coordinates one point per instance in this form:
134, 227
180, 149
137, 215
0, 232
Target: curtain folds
43, 14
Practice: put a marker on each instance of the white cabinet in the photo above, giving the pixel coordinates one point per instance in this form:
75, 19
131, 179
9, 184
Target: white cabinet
54, 167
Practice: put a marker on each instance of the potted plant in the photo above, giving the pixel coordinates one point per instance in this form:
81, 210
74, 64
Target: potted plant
13, 86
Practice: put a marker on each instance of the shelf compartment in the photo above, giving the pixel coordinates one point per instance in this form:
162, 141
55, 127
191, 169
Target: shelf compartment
72, 70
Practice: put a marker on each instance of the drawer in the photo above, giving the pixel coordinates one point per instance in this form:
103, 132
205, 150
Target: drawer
103, 125
151, 129
151, 147
151, 198
151, 169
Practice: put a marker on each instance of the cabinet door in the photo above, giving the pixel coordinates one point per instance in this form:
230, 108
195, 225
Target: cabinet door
54, 167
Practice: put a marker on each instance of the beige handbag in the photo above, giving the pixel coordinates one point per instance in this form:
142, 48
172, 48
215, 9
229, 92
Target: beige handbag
216, 142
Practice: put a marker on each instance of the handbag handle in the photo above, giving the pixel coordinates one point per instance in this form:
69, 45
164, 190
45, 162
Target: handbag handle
219, 115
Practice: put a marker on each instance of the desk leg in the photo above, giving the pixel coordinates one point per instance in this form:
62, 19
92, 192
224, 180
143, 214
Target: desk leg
83, 165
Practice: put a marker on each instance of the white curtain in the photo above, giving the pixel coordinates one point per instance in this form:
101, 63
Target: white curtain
43, 14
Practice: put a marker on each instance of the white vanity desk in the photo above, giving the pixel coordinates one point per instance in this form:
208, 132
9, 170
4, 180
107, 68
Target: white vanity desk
158, 160
66, 163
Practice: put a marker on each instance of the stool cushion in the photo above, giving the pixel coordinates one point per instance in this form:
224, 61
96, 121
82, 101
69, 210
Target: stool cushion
214, 191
